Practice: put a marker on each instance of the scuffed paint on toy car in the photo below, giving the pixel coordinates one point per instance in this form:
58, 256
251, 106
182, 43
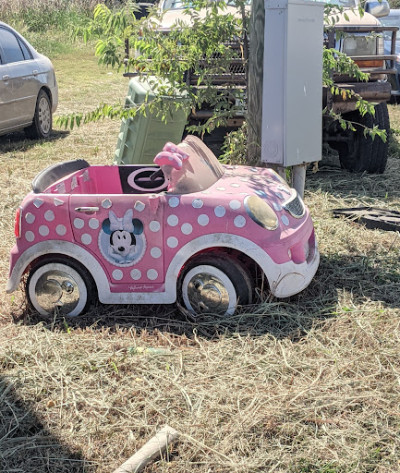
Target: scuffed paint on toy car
192, 231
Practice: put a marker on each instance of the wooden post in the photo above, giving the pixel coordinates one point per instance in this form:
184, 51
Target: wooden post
151, 450
255, 81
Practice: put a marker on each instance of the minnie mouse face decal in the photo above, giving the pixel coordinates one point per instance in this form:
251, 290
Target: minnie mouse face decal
121, 239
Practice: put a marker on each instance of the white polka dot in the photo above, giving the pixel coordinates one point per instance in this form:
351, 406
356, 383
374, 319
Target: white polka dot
239, 221
173, 202
49, 215
38, 203
61, 230
154, 226
58, 202
136, 274
61, 188
106, 204
234, 204
29, 217
220, 189
277, 207
172, 220
172, 242
152, 274
197, 204
78, 223
44, 230
86, 239
186, 229
234, 184
117, 274
94, 223
219, 211
279, 195
285, 220
30, 236
203, 220
155, 252
139, 206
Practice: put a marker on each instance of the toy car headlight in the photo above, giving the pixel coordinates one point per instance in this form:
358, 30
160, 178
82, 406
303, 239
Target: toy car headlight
260, 212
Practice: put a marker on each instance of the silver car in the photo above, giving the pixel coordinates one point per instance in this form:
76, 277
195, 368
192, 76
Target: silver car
28, 87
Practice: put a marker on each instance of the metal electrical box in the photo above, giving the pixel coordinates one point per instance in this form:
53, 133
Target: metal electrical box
292, 82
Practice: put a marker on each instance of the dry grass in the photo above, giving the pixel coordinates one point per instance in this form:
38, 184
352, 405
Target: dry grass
307, 385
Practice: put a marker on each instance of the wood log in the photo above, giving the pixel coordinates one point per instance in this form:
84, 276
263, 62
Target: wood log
151, 450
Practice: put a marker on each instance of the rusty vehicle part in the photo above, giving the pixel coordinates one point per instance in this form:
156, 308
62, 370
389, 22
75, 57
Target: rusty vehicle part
372, 217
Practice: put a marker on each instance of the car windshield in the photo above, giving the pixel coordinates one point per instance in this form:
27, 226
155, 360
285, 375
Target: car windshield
199, 172
391, 20
341, 3
179, 4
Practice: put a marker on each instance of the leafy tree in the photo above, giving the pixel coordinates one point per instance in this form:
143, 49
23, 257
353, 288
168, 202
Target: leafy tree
198, 43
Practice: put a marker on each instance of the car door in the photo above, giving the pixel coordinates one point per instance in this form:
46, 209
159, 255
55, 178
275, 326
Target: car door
7, 115
21, 76
125, 233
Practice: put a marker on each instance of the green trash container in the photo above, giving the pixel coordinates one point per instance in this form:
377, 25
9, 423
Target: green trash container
142, 137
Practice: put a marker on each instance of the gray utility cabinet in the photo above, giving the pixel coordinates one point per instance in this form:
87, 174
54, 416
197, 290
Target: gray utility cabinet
292, 82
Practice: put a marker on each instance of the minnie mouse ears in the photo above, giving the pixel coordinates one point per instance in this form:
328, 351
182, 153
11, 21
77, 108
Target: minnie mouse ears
171, 155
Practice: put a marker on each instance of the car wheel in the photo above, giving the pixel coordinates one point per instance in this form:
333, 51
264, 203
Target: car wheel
42, 120
214, 285
381, 148
363, 153
59, 285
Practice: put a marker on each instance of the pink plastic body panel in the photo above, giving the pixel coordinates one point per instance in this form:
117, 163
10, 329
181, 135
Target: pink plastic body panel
134, 238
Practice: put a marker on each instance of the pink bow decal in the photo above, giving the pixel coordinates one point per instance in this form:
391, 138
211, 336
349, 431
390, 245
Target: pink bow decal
171, 155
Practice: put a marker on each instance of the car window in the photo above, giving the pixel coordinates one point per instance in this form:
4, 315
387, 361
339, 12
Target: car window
392, 20
341, 3
25, 51
13, 49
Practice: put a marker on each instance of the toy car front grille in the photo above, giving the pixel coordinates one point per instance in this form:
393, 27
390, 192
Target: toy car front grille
295, 206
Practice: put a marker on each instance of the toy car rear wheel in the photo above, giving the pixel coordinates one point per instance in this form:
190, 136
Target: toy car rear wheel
61, 286
43, 119
215, 285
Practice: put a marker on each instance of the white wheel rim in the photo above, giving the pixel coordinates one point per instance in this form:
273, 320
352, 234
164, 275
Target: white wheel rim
52, 283
206, 289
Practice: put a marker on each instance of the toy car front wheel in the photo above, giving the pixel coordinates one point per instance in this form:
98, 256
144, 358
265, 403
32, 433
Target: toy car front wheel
59, 286
215, 285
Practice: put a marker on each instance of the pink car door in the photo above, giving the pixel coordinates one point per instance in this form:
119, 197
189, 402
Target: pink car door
125, 233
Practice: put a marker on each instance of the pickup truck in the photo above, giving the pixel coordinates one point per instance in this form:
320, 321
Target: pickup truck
360, 36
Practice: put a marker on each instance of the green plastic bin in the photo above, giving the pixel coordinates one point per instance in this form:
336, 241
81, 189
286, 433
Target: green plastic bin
142, 137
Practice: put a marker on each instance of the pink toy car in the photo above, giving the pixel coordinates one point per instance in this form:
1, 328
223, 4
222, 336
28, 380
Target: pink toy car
189, 229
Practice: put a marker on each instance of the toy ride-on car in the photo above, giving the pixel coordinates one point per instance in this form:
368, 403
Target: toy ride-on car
187, 229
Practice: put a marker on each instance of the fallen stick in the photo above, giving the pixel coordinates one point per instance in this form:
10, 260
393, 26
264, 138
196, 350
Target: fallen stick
150, 450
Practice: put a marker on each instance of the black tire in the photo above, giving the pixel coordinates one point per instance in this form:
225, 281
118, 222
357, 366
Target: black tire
214, 285
364, 153
59, 285
43, 119
381, 148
